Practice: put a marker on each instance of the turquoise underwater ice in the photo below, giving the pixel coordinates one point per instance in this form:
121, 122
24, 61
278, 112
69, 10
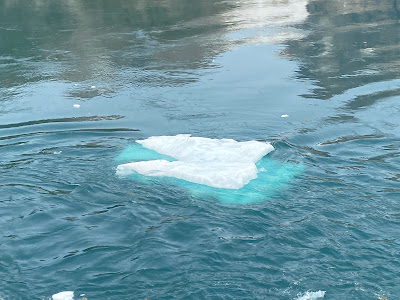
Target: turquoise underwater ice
273, 176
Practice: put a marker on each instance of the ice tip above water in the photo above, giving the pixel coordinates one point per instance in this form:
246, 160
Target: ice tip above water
218, 163
312, 295
66, 295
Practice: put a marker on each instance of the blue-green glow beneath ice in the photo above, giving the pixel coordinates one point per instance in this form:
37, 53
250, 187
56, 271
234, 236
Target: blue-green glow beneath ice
273, 176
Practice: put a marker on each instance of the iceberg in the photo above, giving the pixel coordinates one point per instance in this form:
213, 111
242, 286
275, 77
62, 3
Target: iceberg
217, 163
230, 171
67, 295
312, 295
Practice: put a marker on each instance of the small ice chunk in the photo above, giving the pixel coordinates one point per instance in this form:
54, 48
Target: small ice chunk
93, 87
312, 295
220, 163
76, 105
284, 116
67, 295
57, 152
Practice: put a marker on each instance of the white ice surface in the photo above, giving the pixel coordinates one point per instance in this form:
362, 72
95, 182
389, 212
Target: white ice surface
312, 295
220, 163
67, 295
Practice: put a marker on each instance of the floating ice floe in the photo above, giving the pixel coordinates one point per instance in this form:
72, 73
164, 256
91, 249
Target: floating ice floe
76, 105
67, 295
223, 163
284, 116
312, 295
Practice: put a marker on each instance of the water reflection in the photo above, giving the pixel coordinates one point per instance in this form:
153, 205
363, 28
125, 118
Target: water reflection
88, 41
340, 45
260, 22
350, 44
131, 43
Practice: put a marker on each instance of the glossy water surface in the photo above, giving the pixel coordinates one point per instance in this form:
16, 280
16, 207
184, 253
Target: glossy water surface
217, 69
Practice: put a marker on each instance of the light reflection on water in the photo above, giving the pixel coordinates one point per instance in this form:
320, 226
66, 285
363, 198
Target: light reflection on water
219, 69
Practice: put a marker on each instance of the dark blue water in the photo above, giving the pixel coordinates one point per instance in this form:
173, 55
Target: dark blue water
216, 69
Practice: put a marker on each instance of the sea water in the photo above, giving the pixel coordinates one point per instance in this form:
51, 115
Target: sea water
82, 81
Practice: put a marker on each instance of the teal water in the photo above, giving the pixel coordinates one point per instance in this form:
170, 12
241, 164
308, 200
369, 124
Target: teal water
217, 69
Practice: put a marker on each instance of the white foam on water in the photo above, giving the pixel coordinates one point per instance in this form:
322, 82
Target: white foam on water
312, 295
220, 163
66, 295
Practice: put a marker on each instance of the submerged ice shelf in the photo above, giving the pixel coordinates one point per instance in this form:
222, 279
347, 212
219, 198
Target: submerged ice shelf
232, 171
